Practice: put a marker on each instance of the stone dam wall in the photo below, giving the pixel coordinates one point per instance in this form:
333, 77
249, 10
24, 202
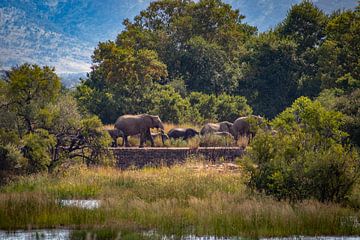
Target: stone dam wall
142, 157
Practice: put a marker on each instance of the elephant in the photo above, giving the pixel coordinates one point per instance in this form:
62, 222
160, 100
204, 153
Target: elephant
211, 128
184, 133
114, 134
242, 126
131, 125
163, 136
223, 134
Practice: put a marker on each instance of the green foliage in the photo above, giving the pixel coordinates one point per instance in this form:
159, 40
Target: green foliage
203, 105
120, 81
210, 108
28, 89
37, 149
313, 118
349, 105
338, 56
305, 24
11, 159
269, 81
40, 126
208, 69
298, 166
229, 108
169, 105
305, 158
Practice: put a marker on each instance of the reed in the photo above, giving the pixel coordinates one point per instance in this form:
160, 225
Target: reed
194, 198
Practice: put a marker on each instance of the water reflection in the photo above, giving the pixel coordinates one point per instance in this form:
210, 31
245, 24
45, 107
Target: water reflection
59, 234
86, 204
65, 234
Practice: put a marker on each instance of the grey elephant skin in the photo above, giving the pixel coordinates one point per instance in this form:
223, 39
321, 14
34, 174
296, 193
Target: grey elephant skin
163, 136
183, 133
131, 125
224, 134
242, 127
114, 134
211, 128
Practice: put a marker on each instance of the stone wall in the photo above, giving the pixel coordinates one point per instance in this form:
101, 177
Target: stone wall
140, 157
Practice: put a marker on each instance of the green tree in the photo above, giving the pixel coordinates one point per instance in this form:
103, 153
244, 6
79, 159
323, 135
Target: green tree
208, 68
305, 24
229, 108
27, 90
269, 78
120, 81
338, 56
169, 105
41, 126
305, 159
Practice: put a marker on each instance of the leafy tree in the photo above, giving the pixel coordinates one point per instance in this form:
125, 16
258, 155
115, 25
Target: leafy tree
204, 105
305, 159
312, 117
37, 149
305, 24
169, 105
269, 79
40, 126
208, 68
27, 90
229, 108
349, 105
120, 81
338, 56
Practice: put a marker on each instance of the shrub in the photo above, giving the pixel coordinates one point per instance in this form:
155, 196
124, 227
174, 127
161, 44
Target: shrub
305, 159
229, 108
169, 105
37, 146
290, 167
11, 159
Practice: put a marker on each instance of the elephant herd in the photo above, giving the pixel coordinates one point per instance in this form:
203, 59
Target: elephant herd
130, 125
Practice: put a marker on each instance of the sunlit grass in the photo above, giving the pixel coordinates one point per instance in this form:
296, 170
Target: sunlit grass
195, 198
199, 141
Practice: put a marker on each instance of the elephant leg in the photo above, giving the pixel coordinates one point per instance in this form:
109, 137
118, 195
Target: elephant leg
148, 135
142, 140
114, 142
125, 141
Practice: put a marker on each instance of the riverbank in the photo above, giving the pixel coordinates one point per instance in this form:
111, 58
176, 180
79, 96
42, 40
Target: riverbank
195, 198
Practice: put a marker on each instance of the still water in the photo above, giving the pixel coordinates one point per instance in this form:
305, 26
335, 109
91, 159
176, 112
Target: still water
65, 234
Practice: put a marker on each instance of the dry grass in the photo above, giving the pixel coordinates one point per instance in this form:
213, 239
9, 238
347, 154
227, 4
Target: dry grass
196, 198
203, 141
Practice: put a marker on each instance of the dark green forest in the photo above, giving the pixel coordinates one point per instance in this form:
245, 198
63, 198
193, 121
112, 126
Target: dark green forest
198, 62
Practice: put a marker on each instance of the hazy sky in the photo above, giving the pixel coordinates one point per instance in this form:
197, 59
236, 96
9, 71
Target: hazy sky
63, 33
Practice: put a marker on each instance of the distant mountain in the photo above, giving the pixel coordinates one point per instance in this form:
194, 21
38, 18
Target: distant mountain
64, 33
70, 80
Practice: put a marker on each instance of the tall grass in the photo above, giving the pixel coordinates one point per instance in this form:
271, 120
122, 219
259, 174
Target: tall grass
181, 200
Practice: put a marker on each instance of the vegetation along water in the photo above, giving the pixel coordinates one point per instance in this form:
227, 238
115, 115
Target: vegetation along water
186, 64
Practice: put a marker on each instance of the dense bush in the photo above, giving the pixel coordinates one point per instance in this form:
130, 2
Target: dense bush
37, 149
41, 126
305, 159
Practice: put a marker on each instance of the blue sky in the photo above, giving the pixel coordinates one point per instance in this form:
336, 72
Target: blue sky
63, 33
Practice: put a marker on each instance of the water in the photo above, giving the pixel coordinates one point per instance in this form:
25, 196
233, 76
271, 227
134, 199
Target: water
65, 234
45, 234
86, 204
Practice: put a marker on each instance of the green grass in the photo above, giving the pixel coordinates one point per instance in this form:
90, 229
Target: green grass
182, 200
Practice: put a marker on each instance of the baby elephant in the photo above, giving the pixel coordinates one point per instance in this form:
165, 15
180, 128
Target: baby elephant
163, 136
184, 133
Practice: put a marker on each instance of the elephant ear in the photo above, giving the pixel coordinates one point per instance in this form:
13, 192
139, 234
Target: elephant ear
154, 119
